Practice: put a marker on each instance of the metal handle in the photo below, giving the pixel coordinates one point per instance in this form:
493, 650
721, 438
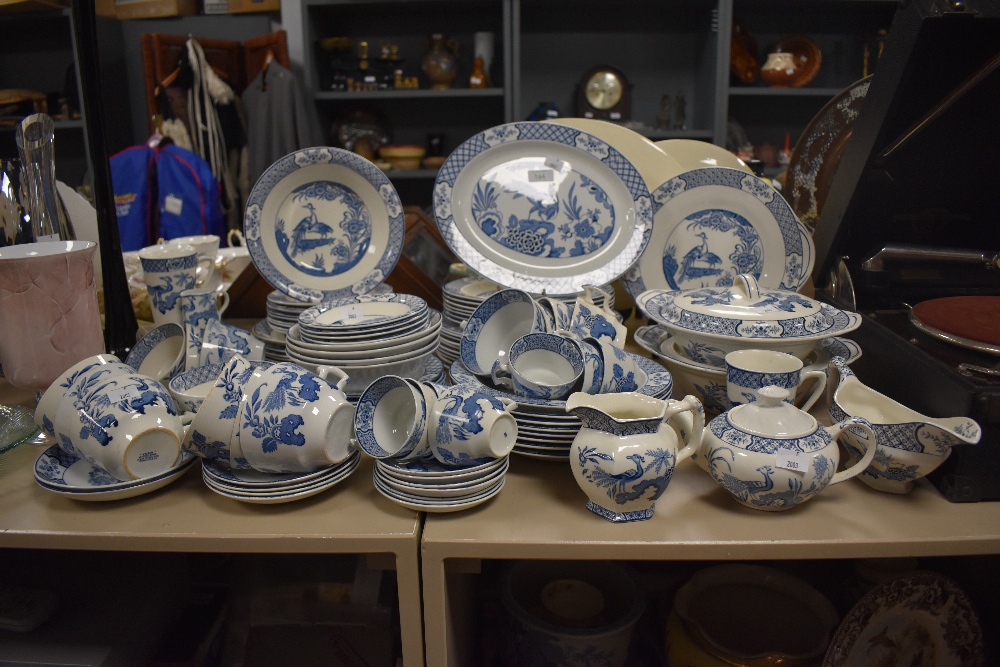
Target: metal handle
877, 262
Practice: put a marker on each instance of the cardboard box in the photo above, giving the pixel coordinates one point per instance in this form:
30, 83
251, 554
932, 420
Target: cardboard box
153, 9
246, 6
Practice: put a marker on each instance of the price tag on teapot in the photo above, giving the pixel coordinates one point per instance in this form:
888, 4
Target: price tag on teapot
792, 459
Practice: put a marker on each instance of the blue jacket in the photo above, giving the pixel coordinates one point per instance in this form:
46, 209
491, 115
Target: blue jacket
188, 201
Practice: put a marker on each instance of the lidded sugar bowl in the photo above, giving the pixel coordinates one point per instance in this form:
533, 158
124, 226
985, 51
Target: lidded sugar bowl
770, 455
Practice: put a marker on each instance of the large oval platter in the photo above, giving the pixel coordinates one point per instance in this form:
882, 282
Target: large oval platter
542, 207
324, 223
715, 223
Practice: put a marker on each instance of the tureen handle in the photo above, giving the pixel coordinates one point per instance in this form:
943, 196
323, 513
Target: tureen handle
745, 285
857, 468
693, 405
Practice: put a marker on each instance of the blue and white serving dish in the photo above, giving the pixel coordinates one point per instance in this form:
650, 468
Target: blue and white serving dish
324, 223
713, 224
542, 207
718, 320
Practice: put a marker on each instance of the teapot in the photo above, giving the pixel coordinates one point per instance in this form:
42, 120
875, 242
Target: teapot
624, 456
770, 455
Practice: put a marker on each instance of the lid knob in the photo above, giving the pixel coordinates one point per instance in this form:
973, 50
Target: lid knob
745, 286
772, 396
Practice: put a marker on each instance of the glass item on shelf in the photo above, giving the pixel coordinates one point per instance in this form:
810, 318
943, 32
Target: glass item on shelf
17, 425
440, 61
14, 227
478, 77
483, 46
36, 145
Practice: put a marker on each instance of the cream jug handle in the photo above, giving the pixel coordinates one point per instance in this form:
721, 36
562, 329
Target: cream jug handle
693, 405
857, 468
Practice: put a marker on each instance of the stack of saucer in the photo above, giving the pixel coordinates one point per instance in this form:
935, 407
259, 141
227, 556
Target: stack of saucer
251, 486
544, 429
426, 485
282, 312
367, 337
59, 471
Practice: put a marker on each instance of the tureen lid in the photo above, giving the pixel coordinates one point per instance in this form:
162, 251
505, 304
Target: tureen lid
744, 310
771, 416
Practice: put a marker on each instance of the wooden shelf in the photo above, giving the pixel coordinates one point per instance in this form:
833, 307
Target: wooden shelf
409, 94
783, 92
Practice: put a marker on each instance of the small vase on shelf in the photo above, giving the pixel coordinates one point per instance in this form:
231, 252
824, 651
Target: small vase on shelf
440, 62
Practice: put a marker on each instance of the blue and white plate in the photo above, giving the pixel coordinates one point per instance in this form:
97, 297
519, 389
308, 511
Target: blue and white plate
58, 471
420, 504
324, 223
284, 494
715, 223
542, 207
362, 312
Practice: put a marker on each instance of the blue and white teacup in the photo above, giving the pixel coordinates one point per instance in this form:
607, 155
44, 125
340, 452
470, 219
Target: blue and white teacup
620, 370
212, 431
494, 326
468, 426
198, 308
221, 341
125, 423
561, 314
167, 271
292, 420
540, 365
391, 419
747, 371
589, 321
104, 364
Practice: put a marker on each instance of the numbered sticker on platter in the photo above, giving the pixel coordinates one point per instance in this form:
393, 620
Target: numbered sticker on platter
792, 459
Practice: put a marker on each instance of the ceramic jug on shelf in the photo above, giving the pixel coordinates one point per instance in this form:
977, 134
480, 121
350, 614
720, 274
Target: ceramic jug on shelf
624, 456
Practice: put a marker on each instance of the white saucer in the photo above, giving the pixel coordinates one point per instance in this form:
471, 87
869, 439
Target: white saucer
66, 474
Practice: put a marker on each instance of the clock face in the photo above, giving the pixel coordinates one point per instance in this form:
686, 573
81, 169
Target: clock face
604, 90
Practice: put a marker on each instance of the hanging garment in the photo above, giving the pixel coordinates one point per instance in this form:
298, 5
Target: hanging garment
278, 121
164, 192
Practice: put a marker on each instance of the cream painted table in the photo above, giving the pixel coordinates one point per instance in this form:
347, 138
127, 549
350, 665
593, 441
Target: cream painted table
540, 514
186, 516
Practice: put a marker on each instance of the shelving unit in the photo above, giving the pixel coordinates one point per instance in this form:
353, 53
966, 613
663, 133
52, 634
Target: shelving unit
37, 52
540, 514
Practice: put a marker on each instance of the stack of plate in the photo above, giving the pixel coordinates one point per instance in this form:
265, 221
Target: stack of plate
426, 485
367, 337
58, 471
544, 429
251, 486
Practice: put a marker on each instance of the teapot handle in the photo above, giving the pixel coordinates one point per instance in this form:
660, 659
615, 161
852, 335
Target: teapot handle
866, 460
693, 405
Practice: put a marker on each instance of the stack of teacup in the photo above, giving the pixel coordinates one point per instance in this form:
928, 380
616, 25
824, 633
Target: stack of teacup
437, 449
537, 351
273, 433
124, 424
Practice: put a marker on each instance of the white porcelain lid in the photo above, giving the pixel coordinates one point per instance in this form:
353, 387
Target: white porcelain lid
745, 310
770, 416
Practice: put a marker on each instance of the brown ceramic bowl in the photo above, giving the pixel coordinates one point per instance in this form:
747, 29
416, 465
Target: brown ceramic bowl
402, 156
807, 55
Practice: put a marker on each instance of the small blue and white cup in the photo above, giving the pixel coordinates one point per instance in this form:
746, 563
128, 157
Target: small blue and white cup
207, 247
468, 426
221, 342
589, 321
123, 423
620, 372
199, 307
561, 314
292, 420
540, 365
391, 419
747, 371
99, 365
167, 271
494, 326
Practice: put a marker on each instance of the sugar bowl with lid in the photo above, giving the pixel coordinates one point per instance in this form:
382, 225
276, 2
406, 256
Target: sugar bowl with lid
770, 455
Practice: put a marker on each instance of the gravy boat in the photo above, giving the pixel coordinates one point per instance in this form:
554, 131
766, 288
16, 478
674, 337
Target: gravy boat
909, 445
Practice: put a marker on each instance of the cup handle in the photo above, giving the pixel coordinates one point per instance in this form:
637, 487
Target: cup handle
224, 298
500, 374
688, 404
326, 371
820, 377
209, 265
235, 235
508, 404
865, 461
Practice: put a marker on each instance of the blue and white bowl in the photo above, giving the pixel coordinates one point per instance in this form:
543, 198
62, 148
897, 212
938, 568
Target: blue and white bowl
494, 326
160, 353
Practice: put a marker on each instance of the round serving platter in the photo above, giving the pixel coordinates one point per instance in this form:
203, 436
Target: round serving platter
324, 223
716, 223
